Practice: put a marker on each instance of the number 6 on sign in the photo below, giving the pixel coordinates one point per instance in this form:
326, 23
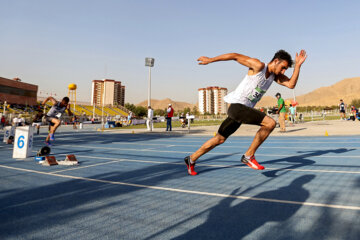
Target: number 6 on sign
23, 142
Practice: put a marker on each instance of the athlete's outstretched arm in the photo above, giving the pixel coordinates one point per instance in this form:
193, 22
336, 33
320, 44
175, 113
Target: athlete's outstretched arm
249, 62
291, 83
49, 99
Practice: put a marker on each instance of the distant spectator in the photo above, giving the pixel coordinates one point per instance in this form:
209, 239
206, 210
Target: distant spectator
149, 121
342, 108
37, 121
292, 110
15, 121
353, 114
281, 111
74, 120
22, 121
170, 114
129, 118
3, 120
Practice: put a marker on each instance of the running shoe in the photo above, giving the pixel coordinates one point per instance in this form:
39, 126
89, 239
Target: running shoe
48, 143
52, 137
252, 163
190, 167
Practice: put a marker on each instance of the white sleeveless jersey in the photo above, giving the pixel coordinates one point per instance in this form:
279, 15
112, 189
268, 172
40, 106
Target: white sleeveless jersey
251, 89
56, 110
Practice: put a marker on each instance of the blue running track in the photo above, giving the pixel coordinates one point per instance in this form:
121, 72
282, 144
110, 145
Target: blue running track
136, 186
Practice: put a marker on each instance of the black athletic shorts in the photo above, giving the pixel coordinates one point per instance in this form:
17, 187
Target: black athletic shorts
238, 114
342, 111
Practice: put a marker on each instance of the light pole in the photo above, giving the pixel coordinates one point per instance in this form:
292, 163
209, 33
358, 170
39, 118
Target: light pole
5, 107
149, 62
103, 103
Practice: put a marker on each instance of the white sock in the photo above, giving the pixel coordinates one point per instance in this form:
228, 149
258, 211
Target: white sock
191, 161
247, 157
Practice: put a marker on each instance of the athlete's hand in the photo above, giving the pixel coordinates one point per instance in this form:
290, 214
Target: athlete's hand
204, 60
300, 58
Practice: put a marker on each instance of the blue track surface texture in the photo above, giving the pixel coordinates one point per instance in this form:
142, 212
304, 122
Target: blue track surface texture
135, 186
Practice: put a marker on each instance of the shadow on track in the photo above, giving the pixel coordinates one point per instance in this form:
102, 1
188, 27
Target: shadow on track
229, 221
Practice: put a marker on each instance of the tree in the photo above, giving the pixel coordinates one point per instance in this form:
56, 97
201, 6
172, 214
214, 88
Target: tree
355, 102
195, 111
140, 111
159, 112
131, 107
186, 110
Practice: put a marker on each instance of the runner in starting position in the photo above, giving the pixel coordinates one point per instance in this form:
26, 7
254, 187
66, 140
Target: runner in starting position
242, 101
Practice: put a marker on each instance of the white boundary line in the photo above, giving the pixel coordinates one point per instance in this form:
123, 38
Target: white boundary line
115, 160
250, 140
345, 207
224, 146
210, 153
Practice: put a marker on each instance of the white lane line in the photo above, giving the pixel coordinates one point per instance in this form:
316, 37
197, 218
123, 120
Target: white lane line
249, 141
311, 204
210, 153
115, 160
224, 146
88, 166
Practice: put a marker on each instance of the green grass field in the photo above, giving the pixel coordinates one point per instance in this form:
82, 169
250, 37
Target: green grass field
213, 122
176, 124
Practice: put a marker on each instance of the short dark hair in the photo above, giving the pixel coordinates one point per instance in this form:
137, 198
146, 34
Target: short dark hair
66, 99
283, 55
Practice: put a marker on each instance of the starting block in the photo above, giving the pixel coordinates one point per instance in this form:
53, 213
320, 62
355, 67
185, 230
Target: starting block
69, 160
49, 161
71, 157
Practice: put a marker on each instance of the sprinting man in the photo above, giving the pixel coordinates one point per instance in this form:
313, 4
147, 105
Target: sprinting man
54, 114
242, 101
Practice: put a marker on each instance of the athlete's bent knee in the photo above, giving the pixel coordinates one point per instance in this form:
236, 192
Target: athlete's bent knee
272, 124
56, 123
269, 123
219, 139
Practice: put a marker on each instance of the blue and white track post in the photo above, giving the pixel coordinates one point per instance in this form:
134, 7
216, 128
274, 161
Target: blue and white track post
9, 131
23, 142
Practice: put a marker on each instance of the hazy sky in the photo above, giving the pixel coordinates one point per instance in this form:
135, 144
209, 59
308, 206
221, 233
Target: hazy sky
52, 43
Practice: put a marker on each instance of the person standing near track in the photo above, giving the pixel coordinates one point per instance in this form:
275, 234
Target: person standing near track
242, 101
37, 121
170, 114
292, 111
342, 108
54, 114
149, 120
3, 120
281, 111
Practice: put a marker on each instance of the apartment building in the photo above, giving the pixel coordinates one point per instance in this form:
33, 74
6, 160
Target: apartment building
211, 100
108, 92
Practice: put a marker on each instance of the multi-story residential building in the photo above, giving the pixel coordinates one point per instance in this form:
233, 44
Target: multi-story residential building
211, 100
108, 92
